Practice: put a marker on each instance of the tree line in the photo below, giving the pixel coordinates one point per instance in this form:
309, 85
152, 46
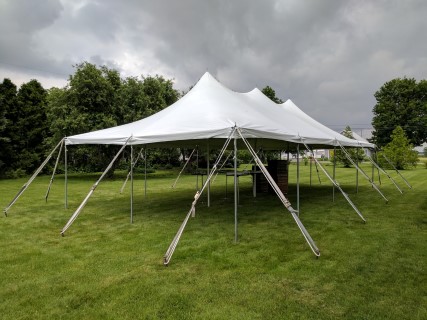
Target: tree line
33, 119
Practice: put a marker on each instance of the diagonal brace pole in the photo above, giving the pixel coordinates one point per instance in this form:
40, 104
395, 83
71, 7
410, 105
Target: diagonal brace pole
80, 208
392, 165
133, 166
335, 183
53, 173
182, 170
168, 255
27, 184
361, 171
383, 171
282, 197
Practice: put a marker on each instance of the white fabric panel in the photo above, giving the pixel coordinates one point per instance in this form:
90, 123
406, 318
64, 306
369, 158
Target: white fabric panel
210, 110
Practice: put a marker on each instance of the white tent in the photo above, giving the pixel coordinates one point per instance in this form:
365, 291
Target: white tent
211, 111
212, 115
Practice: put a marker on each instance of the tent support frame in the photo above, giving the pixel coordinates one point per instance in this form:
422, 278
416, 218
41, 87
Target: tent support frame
168, 255
335, 184
361, 171
54, 171
183, 168
375, 165
35, 174
92, 190
397, 171
281, 196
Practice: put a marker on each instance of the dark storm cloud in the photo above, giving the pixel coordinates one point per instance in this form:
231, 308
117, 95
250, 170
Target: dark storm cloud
328, 56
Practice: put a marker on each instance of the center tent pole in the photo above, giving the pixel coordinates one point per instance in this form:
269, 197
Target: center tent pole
235, 190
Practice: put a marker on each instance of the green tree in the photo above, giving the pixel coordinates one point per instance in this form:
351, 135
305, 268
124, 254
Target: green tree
401, 102
269, 92
32, 126
97, 98
356, 154
399, 151
8, 117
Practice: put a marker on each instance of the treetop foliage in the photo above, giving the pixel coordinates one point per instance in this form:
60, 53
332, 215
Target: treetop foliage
269, 92
401, 102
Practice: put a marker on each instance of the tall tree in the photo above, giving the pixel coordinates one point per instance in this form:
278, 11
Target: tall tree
401, 102
399, 151
31, 127
269, 92
8, 111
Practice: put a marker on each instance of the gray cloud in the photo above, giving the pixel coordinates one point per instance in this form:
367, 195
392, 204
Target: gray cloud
328, 56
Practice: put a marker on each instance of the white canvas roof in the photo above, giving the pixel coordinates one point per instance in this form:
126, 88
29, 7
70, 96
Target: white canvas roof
210, 111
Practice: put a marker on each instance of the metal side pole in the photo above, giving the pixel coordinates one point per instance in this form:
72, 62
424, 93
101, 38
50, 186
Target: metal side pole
357, 172
80, 208
133, 164
35, 174
168, 255
131, 184
318, 174
207, 174
281, 196
311, 165
145, 172
334, 174
336, 185
235, 190
298, 210
362, 172
375, 165
54, 171
390, 163
185, 165
66, 176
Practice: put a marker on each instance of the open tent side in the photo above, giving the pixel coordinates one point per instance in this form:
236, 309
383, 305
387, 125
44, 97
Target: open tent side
211, 113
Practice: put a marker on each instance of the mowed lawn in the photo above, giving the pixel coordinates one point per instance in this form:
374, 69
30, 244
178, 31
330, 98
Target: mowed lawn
107, 268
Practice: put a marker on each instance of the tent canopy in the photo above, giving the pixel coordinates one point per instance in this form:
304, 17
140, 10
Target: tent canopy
211, 111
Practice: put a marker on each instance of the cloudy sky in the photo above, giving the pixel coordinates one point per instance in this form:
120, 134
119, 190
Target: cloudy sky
328, 56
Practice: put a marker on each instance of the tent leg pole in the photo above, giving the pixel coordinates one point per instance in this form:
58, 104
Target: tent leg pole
207, 172
235, 191
311, 166
131, 184
298, 180
333, 174
357, 171
54, 171
66, 177
145, 173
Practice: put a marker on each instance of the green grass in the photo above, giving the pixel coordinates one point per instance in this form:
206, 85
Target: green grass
107, 268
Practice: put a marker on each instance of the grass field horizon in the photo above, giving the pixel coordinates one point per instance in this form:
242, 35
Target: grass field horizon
105, 267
